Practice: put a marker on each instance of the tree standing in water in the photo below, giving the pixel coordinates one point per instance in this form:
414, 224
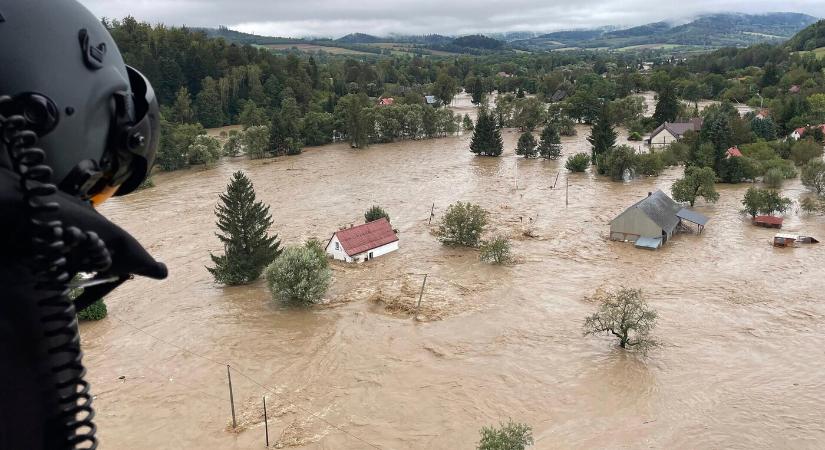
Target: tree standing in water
486, 137
625, 315
602, 135
550, 144
526, 145
243, 223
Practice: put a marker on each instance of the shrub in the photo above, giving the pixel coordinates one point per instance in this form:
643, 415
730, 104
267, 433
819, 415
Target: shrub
233, 144
617, 160
147, 183
375, 213
635, 136
509, 436
813, 175
95, 311
497, 251
256, 141
805, 150
773, 178
204, 150
462, 224
578, 162
300, 274
649, 164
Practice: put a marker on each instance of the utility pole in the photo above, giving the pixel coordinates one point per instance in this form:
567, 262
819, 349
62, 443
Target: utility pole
231, 397
266, 423
566, 191
420, 295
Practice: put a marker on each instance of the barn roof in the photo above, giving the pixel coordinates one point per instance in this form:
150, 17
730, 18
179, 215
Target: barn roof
660, 208
692, 216
773, 220
366, 237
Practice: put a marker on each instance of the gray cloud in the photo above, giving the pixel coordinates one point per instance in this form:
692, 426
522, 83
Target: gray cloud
335, 18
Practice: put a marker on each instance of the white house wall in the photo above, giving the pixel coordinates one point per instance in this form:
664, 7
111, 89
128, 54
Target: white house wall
662, 138
338, 253
378, 251
341, 255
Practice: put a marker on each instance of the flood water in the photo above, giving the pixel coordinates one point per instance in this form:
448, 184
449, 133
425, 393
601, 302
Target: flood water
742, 324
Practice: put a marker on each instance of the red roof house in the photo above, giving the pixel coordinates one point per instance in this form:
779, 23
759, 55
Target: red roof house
363, 242
386, 101
733, 152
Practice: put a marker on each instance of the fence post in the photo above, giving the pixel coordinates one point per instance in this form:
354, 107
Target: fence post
266, 424
431, 215
420, 294
231, 397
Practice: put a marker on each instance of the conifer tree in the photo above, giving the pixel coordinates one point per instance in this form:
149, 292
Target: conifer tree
526, 145
550, 144
667, 108
243, 223
478, 92
602, 136
486, 137
467, 123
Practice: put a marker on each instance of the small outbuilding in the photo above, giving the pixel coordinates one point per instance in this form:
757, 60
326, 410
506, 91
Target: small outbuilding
790, 240
768, 221
654, 218
363, 242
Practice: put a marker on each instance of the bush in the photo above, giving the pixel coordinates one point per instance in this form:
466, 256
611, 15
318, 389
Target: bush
649, 164
147, 183
462, 224
300, 274
677, 153
204, 150
578, 162
805, 150
375, 213
773, 178
497, 251
510, 436
95, 311
785, 167
617, 160
256, 141
813, 176
233, 144
634, 136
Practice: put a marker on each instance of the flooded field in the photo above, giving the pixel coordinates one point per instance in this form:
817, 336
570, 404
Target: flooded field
742, 324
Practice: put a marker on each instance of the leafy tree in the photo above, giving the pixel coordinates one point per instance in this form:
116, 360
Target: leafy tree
650, 164
252, 115
550, 143
300, 274
697, 182
497, 250
526, 145
813, 175
509, 436
317, 128
578, 162
764, 201
445, 87
284, 138
204, 150
617, 160
256, 141
625, 315
208, 104
467, 123
182, 111
773, 178
349, 113
528, 113
374, 213
462, 224
174, 145
667, 108
243, 223
737, 169
486, 137
233, 144
805, 150
817, 105
602, 136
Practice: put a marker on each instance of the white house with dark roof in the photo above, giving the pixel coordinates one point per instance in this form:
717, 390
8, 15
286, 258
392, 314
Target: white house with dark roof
650, 222
668, 133
363, 242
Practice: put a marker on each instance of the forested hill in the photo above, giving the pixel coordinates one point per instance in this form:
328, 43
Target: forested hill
714, 30
811, 38
246, 38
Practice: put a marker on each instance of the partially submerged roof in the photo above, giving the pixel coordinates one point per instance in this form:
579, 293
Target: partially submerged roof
660, 208
366, 237
692, 216
649, 242
679, 128
773, 220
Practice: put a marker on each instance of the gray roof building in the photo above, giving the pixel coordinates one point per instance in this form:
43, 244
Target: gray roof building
655, 216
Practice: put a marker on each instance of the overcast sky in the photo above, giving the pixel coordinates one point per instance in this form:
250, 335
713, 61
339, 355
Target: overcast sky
335, 18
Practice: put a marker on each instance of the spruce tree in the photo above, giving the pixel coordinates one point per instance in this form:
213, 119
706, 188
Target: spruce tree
486, 136
550, 144
526, 145
667, 108
243, 223
478, 92
602, 136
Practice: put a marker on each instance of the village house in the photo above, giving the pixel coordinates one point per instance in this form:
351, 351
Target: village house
386, 101
652, 221
733, 152
799, 133
668, 133
762, 115
363, 242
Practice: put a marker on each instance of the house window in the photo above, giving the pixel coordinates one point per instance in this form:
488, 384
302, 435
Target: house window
337, 246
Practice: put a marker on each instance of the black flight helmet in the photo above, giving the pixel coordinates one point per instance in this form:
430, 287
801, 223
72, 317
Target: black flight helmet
97, 118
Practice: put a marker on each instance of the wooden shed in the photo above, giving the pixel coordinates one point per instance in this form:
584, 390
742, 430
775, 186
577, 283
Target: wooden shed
768, 221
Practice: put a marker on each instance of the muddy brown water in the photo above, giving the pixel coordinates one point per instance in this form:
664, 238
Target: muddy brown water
742, 324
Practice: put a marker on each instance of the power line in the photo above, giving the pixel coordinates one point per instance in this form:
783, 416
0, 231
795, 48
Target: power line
267, 388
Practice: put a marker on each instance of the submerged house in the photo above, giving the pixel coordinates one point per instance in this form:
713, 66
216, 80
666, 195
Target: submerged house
363, 242
668, 133
652, 221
